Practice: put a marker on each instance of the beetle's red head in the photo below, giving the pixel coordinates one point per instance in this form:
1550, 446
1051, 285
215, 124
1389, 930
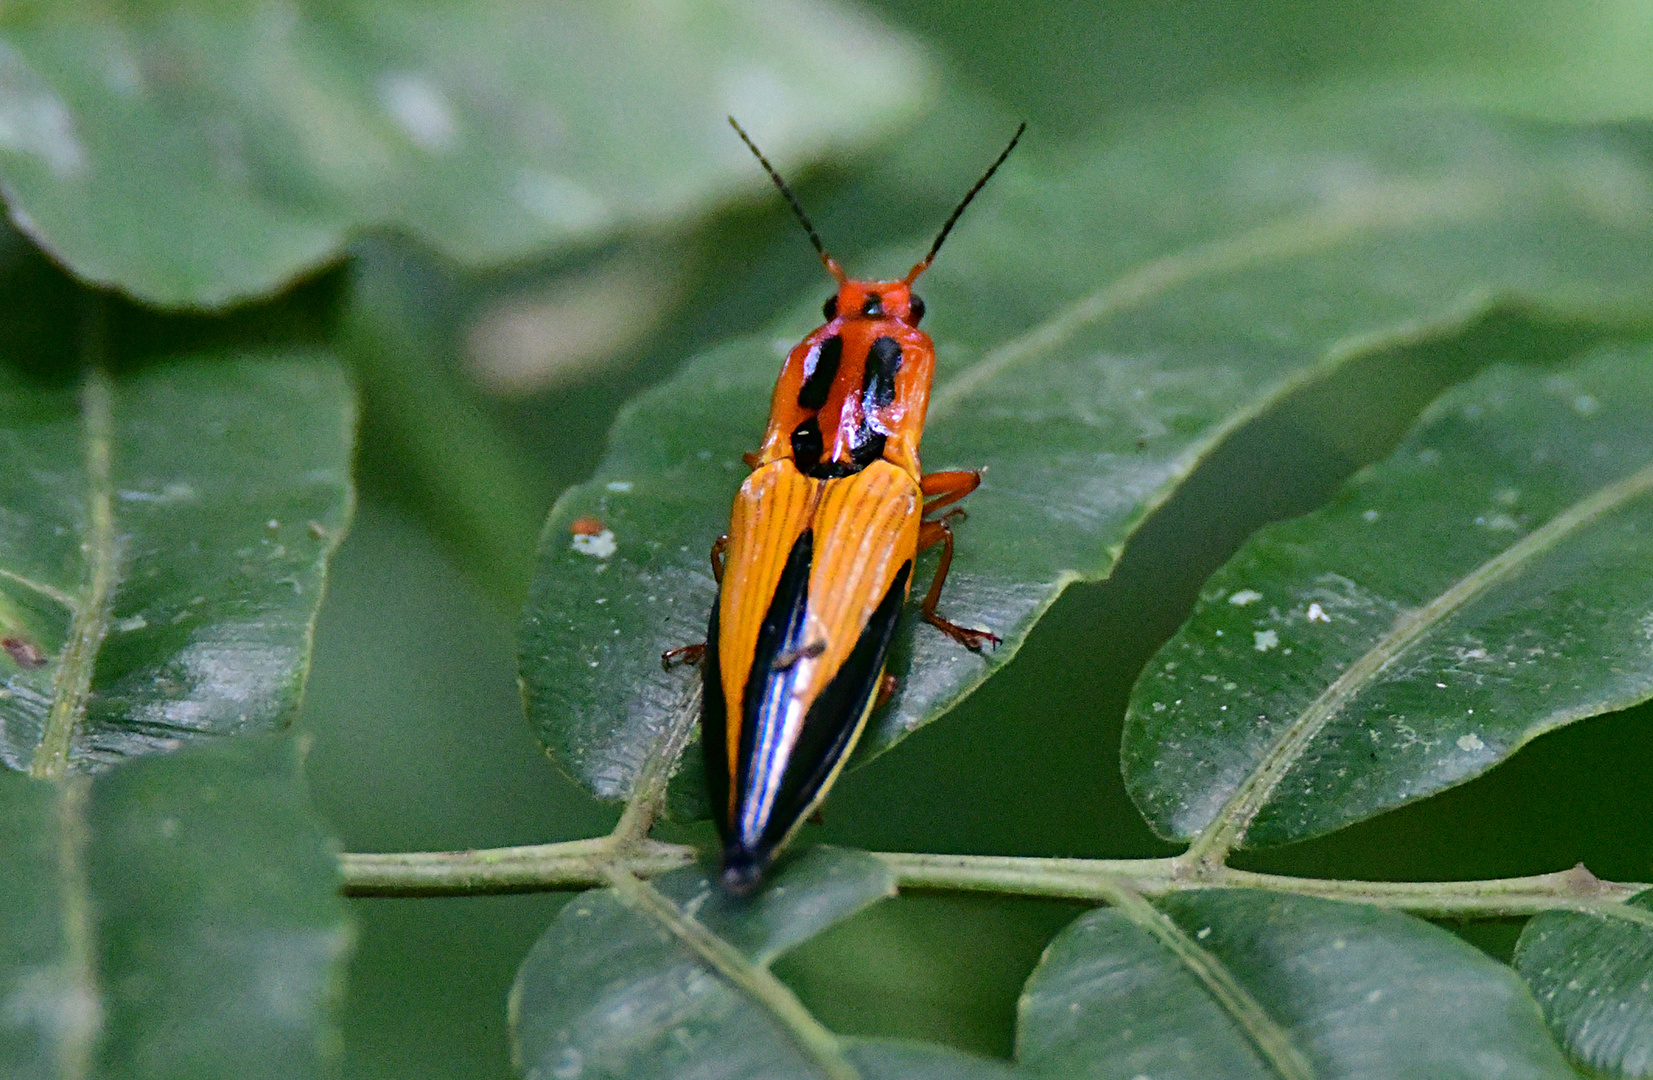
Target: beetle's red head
874, 300
845, 302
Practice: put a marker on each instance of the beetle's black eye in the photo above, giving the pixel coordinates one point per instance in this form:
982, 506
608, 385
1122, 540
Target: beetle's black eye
873, 306
915, 307
829, 310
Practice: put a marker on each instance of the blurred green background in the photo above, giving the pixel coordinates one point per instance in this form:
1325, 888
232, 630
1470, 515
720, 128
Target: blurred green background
419, 741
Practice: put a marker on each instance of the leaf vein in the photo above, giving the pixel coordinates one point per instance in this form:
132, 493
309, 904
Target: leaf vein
1396, 203
1228, 828
1271, 1041
756, 981
72, 682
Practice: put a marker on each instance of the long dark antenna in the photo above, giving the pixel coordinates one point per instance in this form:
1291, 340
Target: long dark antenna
924, 264
792, 200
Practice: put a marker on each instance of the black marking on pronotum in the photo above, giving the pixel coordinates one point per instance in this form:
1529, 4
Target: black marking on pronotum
866, 445
807, 446
820, 368
873, 306
827, 729
878, 381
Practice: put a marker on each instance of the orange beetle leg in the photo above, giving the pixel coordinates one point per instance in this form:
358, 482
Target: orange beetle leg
886, 690
694, 654
686, 654
950, 486
719, 546
931, 533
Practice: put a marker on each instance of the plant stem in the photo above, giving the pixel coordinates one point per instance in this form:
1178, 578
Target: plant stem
584, 864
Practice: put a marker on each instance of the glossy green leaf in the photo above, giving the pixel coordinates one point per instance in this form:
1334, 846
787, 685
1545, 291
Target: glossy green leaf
1240, 984
1490, 581
1103, 317
176, 917
197, 153
164, 537
1592, 972
612, 989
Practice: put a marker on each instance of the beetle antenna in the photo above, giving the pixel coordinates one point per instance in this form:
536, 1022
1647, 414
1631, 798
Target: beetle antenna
792, 200
924, 264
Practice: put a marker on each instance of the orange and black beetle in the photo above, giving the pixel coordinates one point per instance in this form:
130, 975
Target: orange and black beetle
819, 559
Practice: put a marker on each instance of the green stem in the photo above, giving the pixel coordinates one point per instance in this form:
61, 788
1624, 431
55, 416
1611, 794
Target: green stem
584, 864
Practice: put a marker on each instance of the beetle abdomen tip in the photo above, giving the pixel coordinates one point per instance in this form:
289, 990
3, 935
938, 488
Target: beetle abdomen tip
742, 872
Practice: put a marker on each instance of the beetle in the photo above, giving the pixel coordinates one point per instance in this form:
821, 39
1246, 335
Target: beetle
819, 556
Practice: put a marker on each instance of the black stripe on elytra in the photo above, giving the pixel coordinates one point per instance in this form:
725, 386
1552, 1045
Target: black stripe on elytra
820, 368
878, 381
780, 634
714, 726
831, 719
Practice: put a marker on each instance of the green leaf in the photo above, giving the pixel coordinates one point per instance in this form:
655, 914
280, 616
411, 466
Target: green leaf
1103, 318
175, 917
1592, 972
888, 1059
1242, 984
164, 535
1490, 581
196, 154
671, 978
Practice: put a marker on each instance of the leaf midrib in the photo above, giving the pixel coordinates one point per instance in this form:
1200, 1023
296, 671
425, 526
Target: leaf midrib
72, 681
1229, 827
755, 980
1271, 1041
81, 1013
1396, 203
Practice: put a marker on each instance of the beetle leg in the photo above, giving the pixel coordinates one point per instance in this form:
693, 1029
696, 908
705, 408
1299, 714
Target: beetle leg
719, 546
694, 654
931, 533
950, 486
686, 654
886, 690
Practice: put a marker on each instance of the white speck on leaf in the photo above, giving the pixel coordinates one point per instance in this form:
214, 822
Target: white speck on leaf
600, 546
1370, 515
1318, 613
1586, 405
1264, 640
621, 486
1244, 597
1470, 742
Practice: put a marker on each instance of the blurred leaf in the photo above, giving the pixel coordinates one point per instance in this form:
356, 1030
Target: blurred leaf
1239, 984
165, 535
612, 990
195, 154
175, 917
1487, 583
425, 427
1592, 972
1104, 319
